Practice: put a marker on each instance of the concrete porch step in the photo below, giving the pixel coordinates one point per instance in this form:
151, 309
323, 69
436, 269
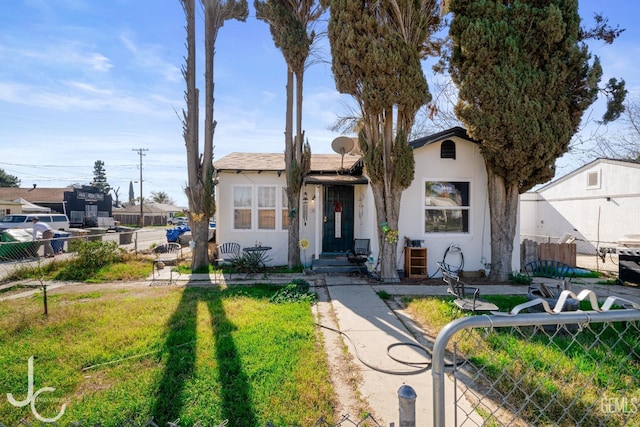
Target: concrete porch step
333, 264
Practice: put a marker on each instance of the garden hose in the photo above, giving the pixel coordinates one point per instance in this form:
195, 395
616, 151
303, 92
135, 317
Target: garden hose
420, 367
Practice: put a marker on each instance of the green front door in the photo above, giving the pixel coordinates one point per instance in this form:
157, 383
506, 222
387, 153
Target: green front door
337, 230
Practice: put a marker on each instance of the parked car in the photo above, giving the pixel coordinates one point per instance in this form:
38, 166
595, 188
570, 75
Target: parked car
178, 220
55, 221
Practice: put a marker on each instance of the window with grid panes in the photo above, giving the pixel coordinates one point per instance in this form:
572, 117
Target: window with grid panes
446, 206
266, 208
242, 205
284, 211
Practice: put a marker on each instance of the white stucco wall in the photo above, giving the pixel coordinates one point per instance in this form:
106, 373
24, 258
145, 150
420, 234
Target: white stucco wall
602, 213
476, 244
277, 239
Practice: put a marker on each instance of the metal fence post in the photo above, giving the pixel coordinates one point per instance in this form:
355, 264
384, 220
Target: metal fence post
407, 406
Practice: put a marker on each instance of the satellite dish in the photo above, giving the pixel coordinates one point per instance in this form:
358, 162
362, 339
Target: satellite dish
342, 145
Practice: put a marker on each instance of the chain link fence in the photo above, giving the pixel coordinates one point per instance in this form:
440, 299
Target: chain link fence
366, 421
19, 251
561, 369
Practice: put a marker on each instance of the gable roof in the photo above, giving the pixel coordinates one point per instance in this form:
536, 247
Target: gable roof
320, 163
275, 162
430, 139
617, 162
34, 195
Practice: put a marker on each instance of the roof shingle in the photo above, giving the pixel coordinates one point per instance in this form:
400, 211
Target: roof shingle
275, 162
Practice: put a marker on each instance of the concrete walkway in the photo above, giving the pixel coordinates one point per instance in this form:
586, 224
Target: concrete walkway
370, 327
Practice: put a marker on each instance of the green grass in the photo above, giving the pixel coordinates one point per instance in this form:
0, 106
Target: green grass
129, 269
195, 354
185, 268
556, 373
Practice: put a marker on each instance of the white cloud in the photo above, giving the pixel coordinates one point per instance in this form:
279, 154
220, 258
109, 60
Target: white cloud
148, 57
78, 96
89, 88
61, 54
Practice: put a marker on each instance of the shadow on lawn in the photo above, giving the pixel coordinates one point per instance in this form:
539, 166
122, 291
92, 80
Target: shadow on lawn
180, 366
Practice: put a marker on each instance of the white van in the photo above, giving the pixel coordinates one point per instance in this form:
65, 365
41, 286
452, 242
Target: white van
55, 221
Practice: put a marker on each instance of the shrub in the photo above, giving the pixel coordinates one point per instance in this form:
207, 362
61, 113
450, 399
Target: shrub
520, 279
296, 291
91, 257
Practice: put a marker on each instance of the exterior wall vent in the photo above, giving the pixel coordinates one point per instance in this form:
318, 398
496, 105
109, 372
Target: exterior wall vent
593, 179
448, 149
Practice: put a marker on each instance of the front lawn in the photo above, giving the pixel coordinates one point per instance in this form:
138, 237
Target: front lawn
196, 354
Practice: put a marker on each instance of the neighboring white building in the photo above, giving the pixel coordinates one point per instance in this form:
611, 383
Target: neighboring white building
445, 205
598, 203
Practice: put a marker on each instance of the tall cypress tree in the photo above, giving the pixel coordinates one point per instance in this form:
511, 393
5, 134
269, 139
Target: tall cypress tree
377, 48
525, 78
132, 196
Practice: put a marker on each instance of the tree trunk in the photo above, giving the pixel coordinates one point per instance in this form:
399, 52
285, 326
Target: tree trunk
196, 188
293, 188
387, 213
503, 202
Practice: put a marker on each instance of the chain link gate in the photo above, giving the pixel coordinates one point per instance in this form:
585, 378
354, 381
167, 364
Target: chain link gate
577, 368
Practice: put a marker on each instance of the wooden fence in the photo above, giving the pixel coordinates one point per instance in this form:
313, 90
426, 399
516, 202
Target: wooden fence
533, 251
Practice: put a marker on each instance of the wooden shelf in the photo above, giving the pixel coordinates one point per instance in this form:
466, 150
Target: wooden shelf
415, 262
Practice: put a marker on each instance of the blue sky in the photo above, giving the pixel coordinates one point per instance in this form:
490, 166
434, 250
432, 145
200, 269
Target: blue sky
87, 80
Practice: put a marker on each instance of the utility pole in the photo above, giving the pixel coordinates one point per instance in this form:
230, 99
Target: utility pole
141, 153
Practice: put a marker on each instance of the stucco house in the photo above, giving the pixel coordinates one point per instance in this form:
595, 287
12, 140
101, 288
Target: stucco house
597, 204
445, 206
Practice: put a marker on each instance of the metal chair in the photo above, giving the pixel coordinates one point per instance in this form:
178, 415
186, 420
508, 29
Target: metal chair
169, 253
460, 290
359, 254
227, 252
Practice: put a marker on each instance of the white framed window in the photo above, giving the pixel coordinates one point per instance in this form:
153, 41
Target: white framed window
284, 210
260, 207
242, 207
266, 208
447, 206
